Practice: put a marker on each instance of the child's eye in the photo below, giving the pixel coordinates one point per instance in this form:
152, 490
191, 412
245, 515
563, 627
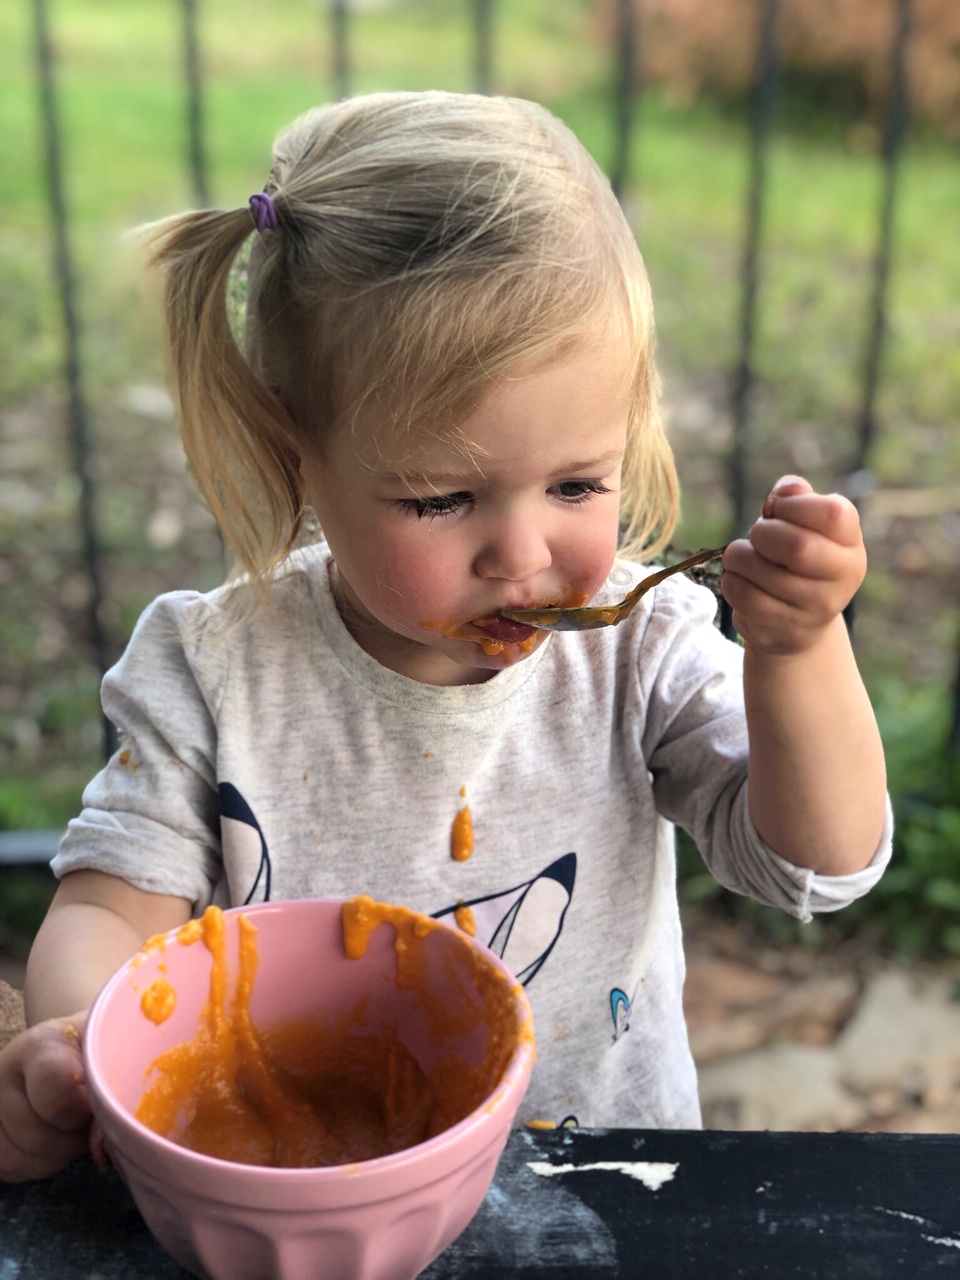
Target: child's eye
578, 490
439, 504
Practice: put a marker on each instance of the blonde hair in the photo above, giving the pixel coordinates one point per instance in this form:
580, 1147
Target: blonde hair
427, 244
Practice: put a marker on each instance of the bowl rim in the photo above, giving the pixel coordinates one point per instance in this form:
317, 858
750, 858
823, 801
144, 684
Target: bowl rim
516, 1072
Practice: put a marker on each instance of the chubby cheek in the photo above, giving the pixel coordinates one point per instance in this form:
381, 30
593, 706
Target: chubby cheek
408, 587
589, 560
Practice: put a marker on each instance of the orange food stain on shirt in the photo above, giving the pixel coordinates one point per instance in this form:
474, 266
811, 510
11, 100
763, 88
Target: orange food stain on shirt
465, 920
158, 1001
308, 1092
461, 835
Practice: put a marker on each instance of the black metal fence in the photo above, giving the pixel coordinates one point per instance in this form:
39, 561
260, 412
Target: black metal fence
625, 101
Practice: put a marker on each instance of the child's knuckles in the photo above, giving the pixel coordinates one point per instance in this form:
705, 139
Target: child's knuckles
839, 519
804, 552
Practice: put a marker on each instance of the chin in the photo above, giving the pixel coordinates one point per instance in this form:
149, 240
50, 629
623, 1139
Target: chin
508, 656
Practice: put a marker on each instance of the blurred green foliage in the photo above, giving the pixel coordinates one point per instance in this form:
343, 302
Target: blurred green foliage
915, 908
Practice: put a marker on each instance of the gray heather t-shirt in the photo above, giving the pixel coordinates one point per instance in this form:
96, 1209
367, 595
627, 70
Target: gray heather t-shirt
265, 755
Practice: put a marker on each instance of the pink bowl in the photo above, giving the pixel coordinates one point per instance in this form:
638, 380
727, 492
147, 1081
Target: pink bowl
380, 1219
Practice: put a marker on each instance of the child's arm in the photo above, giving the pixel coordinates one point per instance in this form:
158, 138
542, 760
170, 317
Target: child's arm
817, 782
95, 923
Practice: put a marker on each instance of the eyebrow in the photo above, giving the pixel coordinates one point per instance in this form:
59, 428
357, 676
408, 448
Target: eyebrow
601, 464
441, 480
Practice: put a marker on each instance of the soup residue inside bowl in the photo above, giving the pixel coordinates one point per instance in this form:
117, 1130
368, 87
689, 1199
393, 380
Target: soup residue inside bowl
325, 1091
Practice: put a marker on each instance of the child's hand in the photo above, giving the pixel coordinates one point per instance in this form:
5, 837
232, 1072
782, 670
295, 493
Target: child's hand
797, 571
44, 1109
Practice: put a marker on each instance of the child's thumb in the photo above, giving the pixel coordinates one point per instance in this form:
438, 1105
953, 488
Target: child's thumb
55, 1081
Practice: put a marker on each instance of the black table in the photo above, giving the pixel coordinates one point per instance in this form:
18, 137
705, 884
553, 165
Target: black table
739, 1205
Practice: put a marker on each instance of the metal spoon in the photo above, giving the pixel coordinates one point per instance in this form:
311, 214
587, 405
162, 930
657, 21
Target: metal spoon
604, 615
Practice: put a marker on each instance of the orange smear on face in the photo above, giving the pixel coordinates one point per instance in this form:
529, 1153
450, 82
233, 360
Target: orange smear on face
310, 1092
569, 599
461, 835
467, 631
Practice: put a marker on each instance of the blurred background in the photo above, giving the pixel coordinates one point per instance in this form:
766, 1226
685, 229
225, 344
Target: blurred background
791, 170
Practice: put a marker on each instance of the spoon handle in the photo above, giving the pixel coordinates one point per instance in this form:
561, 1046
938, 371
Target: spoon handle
643, 588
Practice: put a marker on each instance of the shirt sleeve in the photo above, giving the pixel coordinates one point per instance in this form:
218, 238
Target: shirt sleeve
151, 816
695, 744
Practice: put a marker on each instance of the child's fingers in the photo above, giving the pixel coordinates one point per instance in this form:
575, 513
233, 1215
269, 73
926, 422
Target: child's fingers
793, 564
30, 1148
787, 582
98, 1147
783, 600
829, 514
54, 1082
44, 1109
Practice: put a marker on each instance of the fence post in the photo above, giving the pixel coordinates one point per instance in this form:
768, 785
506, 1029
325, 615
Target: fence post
194, 78
339, 23
625, 93
893, 139
764, 100
77, 408
483, 46
859, 479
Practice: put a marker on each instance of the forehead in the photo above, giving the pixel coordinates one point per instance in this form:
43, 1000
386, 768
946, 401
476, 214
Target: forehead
557, 412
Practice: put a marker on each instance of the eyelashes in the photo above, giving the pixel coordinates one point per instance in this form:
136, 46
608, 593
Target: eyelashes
582, 490
570, 493
439, 504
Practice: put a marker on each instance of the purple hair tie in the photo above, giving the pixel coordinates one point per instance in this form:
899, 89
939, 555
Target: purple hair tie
264, 211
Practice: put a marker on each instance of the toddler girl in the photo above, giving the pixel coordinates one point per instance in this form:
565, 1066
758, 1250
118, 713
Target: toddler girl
447, 354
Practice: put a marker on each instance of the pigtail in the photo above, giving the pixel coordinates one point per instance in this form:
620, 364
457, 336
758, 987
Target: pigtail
238, 436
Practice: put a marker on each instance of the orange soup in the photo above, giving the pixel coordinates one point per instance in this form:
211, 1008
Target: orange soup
311, 1092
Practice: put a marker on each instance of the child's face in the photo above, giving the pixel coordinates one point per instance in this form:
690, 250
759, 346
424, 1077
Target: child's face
526, 517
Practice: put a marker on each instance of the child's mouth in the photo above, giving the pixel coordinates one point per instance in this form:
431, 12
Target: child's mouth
504, 630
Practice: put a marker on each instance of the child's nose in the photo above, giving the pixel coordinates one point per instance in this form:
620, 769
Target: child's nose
514, 548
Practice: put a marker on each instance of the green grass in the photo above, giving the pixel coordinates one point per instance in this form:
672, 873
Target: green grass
121, 102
